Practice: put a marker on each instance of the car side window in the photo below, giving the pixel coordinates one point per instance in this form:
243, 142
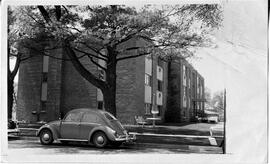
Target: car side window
90, 118
73, 117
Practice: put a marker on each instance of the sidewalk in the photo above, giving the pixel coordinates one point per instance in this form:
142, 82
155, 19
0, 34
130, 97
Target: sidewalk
198, 129
191, 134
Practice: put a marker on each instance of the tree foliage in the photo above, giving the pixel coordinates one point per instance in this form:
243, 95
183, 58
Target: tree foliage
101, 32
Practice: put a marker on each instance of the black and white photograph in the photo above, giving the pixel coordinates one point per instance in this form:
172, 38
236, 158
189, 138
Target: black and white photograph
134, 81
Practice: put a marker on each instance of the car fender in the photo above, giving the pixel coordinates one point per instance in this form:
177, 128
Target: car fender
103, 129
53, 129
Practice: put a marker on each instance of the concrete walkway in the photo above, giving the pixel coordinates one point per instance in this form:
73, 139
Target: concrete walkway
190, 134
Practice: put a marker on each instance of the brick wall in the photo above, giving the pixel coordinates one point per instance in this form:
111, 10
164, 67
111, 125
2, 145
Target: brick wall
127, 96
130, 87
54, 87
76, 91
29, 88
173, 99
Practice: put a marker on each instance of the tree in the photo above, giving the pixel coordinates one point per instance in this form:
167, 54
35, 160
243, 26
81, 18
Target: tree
15, 55
208, 98
218, 101
89, 31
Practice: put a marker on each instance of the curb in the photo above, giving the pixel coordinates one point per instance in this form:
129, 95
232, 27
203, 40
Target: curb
168, 135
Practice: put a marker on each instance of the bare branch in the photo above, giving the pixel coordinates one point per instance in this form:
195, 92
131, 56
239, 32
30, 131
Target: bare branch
26, 58
96, 63
93, 49
133, 56
58, 12
82, 70
15, 70
65, 9
41, 53
89, 54
44, 13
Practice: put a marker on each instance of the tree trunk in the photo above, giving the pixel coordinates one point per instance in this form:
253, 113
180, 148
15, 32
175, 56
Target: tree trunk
10, 97
109, 101
109, 93
108, 87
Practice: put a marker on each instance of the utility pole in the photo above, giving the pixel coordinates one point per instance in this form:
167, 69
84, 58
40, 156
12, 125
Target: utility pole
224, 125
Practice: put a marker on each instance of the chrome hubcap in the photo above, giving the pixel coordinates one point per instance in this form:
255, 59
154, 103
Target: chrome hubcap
46, 136
100, 139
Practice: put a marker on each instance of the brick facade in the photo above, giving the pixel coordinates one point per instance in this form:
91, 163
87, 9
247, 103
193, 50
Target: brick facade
68, 90
185, 92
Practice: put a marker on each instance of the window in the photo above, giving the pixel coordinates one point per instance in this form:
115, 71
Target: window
160, 63
44, 77
184, 75
91, 118
184, 101
43, 105
184, 97
73, 117
188, 102
148, 108
160, 85
201, 91
45, 64
189, 82
44, 91
148, 65
148, 80
100, 105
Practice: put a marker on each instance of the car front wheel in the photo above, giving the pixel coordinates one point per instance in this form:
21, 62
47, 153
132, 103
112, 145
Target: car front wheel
46, 137
100, 140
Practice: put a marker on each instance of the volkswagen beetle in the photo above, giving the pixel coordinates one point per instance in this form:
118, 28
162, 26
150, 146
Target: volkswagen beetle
86, 125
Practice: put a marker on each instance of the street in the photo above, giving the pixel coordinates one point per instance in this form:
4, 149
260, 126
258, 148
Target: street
32, 146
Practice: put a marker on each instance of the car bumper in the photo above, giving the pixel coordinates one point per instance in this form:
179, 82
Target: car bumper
13, 132
126, 138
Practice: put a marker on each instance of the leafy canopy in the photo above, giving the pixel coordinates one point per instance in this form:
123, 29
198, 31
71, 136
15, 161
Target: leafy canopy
172, 29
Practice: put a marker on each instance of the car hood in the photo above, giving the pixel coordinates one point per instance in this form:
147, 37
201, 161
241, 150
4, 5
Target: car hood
118, 127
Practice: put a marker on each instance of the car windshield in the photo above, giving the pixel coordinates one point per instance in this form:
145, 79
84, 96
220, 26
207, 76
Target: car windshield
109, 116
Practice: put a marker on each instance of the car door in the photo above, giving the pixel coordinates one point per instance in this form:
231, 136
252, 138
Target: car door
70, 126
88, 122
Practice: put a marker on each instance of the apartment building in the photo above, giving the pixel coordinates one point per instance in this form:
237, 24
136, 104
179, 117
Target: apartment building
48, 88
185, 92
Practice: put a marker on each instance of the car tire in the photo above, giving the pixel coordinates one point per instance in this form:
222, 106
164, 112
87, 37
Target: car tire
46, 137
100, 139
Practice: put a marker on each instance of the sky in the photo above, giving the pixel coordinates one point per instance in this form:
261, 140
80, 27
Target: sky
242, 39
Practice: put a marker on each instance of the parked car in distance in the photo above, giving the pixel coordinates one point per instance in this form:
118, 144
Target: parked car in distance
212, 118
85, 125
